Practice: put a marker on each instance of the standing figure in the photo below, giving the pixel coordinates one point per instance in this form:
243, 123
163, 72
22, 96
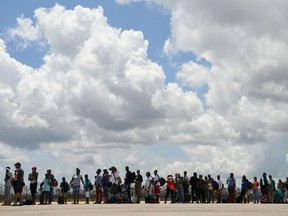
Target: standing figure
157, 186
98, 185
138, 185
231, 182
194, 180
64, 188
186, 188
170, 189
264, 188
18, 184
75, 184
87, 187
105, 182
8, 186
218, 187
33, 178
255, 190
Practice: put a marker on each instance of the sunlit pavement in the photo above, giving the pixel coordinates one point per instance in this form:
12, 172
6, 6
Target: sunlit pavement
147, 209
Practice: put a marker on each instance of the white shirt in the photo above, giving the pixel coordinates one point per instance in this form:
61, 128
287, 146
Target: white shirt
114, 177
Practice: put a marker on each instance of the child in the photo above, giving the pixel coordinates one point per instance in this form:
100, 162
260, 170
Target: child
87, 187
64, 187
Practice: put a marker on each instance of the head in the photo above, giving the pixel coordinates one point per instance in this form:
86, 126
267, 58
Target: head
77, 171
255, 178
34, 169
270, 177
185, 173
148, 174
105, 171
200, 176
17, 165
155, 172
138, 171
86, 176
63, 179
264, 175
127, 168
231, 175
209, 176
98, 171
49, 171
113, 169
7, 169
195, 174
218, 177
243, 177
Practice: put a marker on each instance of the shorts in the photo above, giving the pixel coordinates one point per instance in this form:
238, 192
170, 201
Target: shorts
76, 190
18, 188
157, 189
87, 194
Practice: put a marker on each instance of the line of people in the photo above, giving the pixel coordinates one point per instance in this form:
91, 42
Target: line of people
109, 187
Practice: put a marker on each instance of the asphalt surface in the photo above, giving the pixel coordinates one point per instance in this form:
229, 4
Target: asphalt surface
147, 209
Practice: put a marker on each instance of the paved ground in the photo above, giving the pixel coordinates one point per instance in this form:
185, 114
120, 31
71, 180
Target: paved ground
148, 209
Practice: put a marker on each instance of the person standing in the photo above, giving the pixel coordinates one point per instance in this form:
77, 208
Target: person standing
45, 187
98, 185
157, 186
186, 188
87, 187
194, 182
218, 186
75, 183
271, 189
264, 188
170, 189
116, 181
127, 182
105, 182
255, 190
8, 186
64, 188
231, 182
138, 185
33, 178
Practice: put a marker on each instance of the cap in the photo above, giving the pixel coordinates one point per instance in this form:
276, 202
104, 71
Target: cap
112, 168
18, 163
34, 167
7, 168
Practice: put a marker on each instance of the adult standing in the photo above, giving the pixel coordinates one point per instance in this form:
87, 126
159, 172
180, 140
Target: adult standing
33, 178
138, 185
18, 184
218, 186
75, 184
98, 185
8, 186
271, 189
105, 182
186, 188
116, 181
157, 186
264, 188
127, 182
194, 182
53, 183
170, 189
255, 190
231, 182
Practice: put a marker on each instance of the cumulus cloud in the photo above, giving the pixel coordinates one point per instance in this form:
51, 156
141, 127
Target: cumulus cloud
98, 90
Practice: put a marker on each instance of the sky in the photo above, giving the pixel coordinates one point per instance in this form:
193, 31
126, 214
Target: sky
178, 85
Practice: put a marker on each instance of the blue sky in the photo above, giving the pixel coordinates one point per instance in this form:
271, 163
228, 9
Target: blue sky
168, 85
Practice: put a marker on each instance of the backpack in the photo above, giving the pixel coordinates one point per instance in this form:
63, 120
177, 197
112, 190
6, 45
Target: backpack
215, 185
162, 181
91, 186
132, 177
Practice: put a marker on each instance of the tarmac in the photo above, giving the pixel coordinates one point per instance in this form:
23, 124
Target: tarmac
146, 209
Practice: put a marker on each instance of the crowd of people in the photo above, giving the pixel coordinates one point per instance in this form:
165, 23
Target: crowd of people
110, 188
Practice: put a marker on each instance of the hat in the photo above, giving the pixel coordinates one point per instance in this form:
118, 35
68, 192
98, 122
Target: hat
112, 168
17, 164
34, 167
7, 168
